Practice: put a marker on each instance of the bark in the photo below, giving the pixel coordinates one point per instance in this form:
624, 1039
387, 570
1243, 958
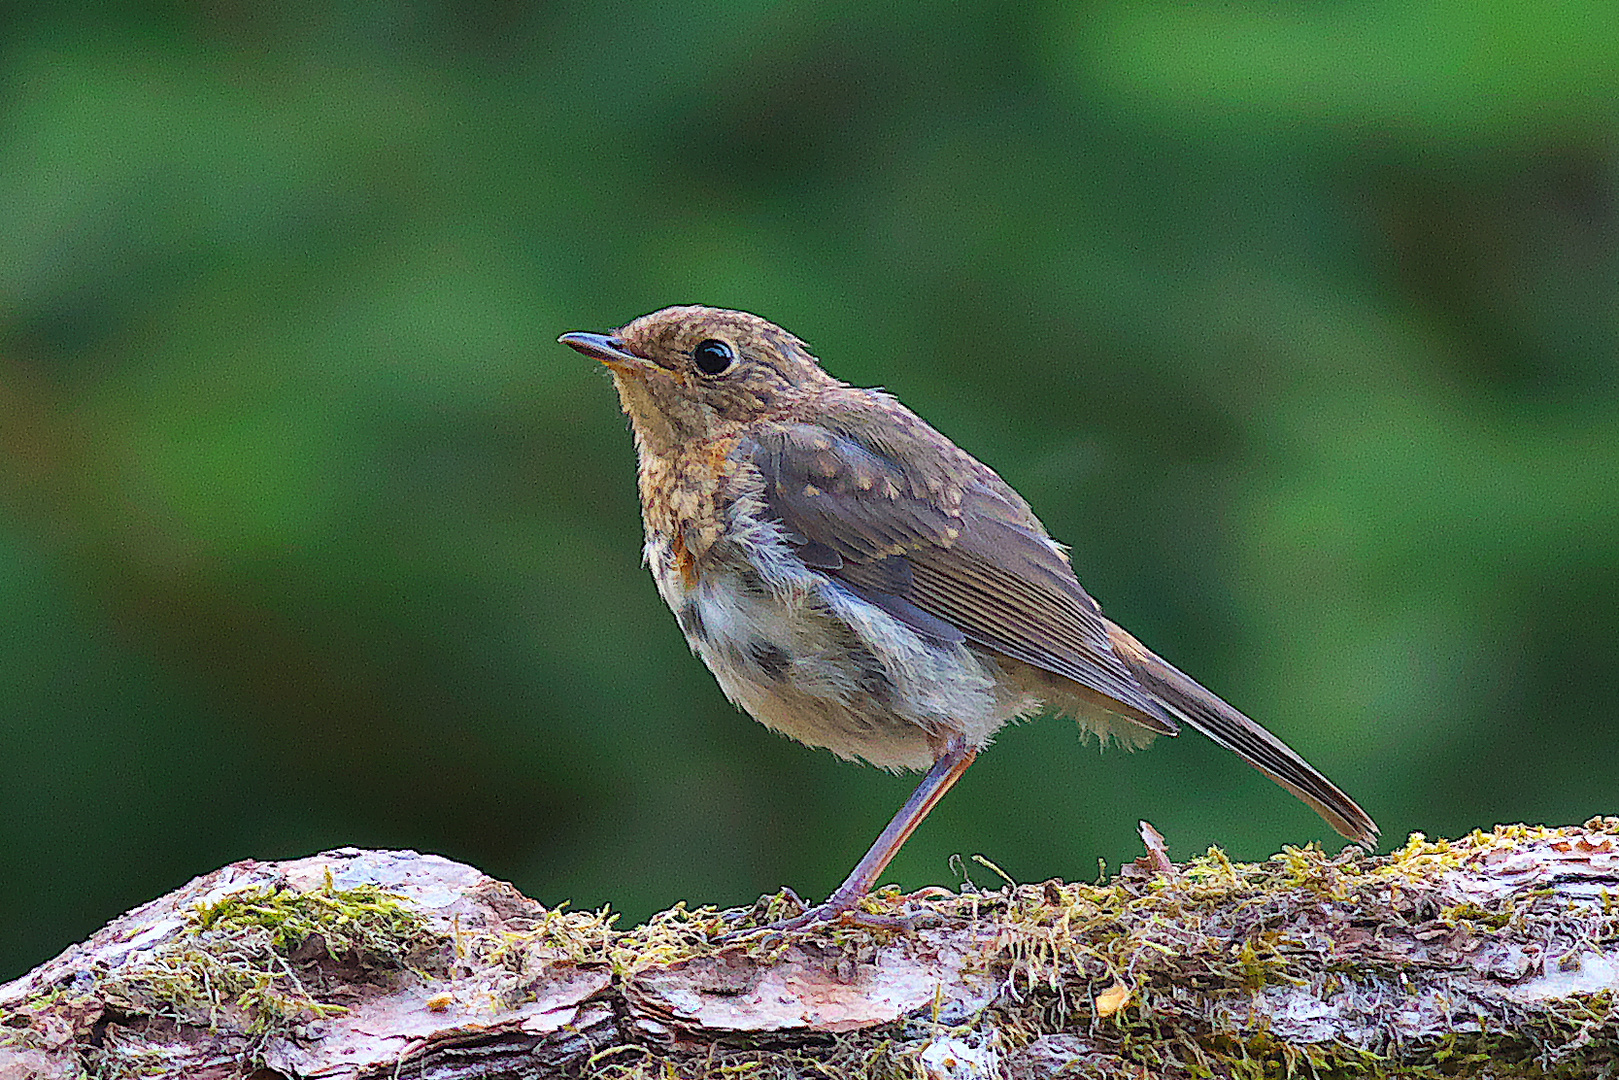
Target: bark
1493, 955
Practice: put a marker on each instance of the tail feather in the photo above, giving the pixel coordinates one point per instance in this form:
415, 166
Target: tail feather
1190, 702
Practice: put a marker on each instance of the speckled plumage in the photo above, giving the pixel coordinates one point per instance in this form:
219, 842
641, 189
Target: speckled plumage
858, 582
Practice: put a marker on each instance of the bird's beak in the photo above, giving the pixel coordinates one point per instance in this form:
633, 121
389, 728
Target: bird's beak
609, 350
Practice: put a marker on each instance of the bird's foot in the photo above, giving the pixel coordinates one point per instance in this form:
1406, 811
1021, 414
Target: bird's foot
764, 907
839, 910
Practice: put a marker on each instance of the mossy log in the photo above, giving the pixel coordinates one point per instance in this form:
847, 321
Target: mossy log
1493, 955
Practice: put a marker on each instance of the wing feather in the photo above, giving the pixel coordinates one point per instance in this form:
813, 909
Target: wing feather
948, 555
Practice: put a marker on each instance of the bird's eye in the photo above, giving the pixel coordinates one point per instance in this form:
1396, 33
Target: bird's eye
713, 357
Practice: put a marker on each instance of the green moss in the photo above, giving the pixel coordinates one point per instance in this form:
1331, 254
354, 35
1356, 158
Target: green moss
268, 954
364, 922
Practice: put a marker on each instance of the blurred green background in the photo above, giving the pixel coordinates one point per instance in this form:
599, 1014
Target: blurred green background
1299, 321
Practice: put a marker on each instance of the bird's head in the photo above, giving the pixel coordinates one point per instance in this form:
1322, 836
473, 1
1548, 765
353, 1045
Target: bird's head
692, 373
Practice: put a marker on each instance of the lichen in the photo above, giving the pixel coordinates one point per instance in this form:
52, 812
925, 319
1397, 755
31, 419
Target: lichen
1163, 974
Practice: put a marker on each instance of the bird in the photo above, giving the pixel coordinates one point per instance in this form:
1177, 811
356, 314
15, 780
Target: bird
856, 581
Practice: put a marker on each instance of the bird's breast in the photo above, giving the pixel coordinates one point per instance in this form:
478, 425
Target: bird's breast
681, 498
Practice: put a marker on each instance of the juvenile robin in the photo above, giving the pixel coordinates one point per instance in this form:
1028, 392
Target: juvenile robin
855, 580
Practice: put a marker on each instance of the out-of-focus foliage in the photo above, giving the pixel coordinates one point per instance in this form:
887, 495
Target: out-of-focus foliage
1299, 321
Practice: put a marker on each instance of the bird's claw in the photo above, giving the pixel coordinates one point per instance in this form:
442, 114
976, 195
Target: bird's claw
840, 912
761, 907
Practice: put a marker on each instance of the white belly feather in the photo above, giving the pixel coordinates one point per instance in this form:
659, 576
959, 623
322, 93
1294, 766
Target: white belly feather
808, 658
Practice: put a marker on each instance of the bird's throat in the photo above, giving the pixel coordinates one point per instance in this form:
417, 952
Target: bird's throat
655, 433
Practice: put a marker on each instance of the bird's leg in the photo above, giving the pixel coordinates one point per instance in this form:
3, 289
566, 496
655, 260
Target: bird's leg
945, 772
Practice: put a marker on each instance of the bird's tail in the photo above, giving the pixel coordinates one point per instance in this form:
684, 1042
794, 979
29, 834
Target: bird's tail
1188, 701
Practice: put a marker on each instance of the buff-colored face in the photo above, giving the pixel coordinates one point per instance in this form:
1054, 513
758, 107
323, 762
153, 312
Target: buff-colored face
687, 373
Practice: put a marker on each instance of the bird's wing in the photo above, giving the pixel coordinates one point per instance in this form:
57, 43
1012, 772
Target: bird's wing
943, 544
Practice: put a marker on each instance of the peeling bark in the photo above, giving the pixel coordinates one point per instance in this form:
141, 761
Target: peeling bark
1493, 955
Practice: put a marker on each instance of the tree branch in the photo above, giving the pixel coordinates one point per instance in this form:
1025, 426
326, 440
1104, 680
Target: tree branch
1493, 955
